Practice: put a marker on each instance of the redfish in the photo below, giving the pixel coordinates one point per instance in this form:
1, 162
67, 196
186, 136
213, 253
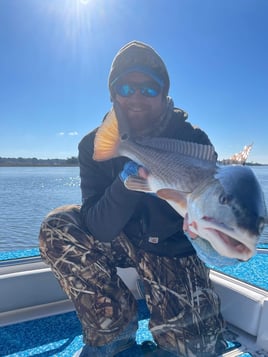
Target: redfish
224, 205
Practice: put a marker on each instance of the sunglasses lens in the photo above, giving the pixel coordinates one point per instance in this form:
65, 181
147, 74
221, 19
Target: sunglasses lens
125, 90
150, 91
146, 89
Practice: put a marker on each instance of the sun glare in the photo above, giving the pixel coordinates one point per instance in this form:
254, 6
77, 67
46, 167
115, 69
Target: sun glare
74, 21
74, 24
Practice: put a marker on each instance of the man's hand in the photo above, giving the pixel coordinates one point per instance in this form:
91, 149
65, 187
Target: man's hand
142, 172
131, 168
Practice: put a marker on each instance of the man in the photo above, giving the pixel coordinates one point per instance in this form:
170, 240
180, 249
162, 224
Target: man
117, 227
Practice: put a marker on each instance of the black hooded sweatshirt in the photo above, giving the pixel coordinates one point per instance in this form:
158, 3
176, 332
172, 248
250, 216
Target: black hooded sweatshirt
108, 207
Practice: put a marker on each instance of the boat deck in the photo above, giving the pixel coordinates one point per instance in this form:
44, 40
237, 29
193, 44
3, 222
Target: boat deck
37, 318
60, 335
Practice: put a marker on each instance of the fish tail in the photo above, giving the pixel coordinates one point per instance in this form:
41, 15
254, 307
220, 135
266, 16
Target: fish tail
107, 139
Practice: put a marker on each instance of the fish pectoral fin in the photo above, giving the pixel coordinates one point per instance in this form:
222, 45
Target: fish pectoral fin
137, 183
169, 194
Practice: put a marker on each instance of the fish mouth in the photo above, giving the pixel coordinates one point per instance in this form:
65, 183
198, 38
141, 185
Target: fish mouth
233, 243
228, 239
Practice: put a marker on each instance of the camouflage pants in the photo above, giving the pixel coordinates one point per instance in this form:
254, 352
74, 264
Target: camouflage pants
185, 314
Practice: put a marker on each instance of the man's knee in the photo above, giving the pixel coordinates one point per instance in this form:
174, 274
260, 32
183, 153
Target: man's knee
58, 225
68, 214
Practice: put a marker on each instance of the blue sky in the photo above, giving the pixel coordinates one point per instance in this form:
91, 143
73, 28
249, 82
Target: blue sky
56, 55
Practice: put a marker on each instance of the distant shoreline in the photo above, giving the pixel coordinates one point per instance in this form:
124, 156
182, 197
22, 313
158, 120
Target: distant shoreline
69, 162
39, 165
32, 162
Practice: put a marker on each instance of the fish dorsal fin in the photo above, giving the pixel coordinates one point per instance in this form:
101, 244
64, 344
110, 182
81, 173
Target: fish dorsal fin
107, 138
187, 148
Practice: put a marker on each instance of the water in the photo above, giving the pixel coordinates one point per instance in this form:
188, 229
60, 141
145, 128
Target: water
27, 194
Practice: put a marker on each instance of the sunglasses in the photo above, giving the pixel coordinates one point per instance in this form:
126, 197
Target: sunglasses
150, 89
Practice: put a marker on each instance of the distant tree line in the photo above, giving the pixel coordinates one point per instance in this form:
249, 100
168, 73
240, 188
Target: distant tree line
73, 161
234, 162
20, 161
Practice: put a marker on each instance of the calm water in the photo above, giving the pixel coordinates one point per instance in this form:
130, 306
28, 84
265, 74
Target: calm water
27, 194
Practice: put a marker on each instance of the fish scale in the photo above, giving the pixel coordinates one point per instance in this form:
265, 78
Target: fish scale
165, 165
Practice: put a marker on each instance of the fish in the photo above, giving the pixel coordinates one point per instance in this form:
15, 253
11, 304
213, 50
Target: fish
224, 205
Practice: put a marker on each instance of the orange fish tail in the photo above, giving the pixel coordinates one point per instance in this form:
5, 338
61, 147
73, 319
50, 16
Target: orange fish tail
107, 139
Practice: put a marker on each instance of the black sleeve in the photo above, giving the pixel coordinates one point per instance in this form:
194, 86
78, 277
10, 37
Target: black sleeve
107, 204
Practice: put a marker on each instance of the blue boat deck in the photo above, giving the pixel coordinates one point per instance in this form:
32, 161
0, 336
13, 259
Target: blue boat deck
61, 336
58, 335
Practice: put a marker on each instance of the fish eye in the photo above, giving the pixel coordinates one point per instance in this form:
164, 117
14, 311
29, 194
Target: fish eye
225, 199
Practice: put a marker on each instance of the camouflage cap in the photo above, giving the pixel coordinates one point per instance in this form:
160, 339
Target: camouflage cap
136, 56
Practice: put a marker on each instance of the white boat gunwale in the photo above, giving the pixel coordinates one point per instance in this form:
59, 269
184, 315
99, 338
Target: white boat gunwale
244, 306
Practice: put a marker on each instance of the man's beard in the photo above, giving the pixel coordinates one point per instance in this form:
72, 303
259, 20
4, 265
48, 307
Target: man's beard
141, 123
